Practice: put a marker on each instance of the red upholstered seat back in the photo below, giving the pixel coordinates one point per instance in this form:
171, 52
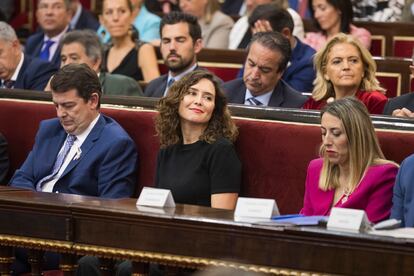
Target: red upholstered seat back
274, 154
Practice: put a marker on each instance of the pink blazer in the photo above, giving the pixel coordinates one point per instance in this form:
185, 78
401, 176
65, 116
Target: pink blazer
373, 194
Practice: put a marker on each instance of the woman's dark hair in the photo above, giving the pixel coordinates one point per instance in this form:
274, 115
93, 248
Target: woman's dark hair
167, 122
344, 7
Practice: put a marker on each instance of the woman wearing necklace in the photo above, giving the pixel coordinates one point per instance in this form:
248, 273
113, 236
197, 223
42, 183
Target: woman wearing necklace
352, 171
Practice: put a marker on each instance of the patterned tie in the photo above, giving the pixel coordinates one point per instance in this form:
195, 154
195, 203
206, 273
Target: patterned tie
169, 83
254, 101
8, 84
59, 161
45, 53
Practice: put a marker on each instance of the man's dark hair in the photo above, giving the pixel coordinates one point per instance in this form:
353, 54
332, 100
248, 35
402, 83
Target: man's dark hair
77, 76
175, 17
278, 18
89, 41
274, 41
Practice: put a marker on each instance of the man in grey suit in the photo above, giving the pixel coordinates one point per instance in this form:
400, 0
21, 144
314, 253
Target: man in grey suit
261, 85
84, 46
180, 43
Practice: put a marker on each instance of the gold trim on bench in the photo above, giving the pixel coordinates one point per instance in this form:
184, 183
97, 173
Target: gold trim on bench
387, 74
181, 261
214, 64
34, 243
382, 38
220, 65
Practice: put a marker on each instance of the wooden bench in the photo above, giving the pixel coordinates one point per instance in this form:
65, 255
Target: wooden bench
282, 146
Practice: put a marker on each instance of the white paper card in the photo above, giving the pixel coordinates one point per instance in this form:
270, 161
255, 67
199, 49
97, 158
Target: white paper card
256, 208
351, 220
155, 198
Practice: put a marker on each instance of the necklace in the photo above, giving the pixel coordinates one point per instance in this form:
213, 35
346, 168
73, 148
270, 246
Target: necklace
346, 195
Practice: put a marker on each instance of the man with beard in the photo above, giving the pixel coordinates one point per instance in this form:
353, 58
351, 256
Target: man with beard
180, 43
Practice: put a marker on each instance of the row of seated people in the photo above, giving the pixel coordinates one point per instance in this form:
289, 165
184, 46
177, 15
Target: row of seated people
127, 53
87, 153
343, 66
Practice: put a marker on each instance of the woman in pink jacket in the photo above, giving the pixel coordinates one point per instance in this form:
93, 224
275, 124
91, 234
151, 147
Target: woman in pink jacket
331, 17
352, 171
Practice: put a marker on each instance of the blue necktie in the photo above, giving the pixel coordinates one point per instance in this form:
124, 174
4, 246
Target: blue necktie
254, 101
59, 161
45, 53
169, 83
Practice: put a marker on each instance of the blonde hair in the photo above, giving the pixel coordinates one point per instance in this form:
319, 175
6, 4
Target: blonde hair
211, 8
323, 88
363, 147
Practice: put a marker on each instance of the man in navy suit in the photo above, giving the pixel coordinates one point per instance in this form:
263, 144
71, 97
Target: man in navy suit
261, 85
180, 43
18, 70
80, 152
101, 159
53, 16
82, 18
300, 72
403, 195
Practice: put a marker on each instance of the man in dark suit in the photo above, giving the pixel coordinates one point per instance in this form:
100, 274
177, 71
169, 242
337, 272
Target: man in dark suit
18, 70
300, 72
261, 85
53, 16
180, 43
82, 18
401, 106
84, 46
403, 194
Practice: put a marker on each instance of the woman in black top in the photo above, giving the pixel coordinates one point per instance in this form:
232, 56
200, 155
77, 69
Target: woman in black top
197, 160
125, 54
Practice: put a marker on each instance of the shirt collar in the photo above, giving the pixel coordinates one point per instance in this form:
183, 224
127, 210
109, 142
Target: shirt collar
264, 98
179, 76
17, 70
76, 16
82, 137
56, 38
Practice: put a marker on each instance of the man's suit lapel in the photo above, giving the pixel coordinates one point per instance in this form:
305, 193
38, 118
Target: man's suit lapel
102, 79
38, 48
56, 143
277, 97
20, 77
87, 144
240, 97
